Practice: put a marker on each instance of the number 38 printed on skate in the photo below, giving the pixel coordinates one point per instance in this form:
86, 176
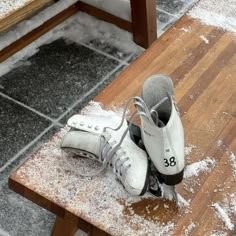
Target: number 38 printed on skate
170, 162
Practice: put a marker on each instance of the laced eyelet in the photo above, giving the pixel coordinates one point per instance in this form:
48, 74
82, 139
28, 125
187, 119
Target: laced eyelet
96, 128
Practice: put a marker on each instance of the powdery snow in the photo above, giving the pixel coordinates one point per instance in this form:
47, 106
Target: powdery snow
120, 8
218, 233
188, 149
189, 229
185, 29
216, 13
9, 6
232, 158
4, 233
80, 233
201, 166
226, 210
204, 39
223, 216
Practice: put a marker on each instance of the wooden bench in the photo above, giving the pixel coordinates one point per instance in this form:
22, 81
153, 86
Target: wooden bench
142, 25
204, 77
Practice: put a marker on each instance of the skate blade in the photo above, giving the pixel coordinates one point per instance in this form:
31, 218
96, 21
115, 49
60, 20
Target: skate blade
175, 195
170, 193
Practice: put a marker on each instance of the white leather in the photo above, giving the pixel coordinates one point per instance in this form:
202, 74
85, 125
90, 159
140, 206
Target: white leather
87, 137
164, 143
80, 140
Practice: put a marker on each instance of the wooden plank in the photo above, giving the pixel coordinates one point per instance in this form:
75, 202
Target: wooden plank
64, 227
36, 33
13, 17
35, 197
144, 24
205, 88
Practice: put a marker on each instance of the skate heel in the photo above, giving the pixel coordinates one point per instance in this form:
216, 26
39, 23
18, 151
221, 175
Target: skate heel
172, 179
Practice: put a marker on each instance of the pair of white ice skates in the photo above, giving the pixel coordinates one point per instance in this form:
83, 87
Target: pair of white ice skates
140, 157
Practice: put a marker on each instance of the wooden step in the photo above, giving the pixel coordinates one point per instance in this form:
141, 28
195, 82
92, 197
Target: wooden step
15, 14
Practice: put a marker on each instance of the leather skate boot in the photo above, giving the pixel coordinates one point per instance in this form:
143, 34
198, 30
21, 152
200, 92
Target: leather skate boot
161, 129
88, 137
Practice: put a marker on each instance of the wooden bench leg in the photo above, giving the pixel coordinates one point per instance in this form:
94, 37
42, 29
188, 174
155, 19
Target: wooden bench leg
97, 232
143, 13
69, 225
64, 227
90, 229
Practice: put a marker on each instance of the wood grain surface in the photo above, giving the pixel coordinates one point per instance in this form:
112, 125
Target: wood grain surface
14, 16
204, 75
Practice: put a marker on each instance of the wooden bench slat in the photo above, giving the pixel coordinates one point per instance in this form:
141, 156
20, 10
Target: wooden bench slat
16, 15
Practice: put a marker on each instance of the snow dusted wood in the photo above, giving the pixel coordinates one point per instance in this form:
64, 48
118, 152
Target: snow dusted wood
204, 77
19, 10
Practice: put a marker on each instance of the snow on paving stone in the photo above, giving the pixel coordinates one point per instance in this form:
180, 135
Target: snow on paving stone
78, 28
216, 13
120, 8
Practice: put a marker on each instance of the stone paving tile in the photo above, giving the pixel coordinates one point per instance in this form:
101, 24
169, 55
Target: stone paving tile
85, 101
57, 76
19, 216
175, 7
107, 48
19, 126
164, 21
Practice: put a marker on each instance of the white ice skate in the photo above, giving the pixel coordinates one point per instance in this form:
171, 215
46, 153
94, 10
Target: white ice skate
161, 128
89, 137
